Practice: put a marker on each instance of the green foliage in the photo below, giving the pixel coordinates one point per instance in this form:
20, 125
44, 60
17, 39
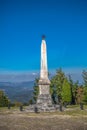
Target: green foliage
57, 83
60, 76
79, 95
66, 92
36, 89
84, 75
53, 89
72, 89
4, 101
85, 95
74, 93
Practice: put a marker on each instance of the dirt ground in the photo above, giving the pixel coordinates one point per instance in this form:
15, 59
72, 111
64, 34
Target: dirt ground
32, 121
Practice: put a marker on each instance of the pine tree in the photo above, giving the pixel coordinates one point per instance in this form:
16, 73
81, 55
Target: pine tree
4, 101
36, 90
71, 86
85, 95
53, 89
57, 83
66, 92
74, 87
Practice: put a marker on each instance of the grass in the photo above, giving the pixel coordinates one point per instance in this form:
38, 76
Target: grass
73, 110
71, 119
76, 106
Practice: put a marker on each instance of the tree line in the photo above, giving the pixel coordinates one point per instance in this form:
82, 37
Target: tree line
64, 90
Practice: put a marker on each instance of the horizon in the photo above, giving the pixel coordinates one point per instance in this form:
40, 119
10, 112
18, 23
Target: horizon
25, 76
24, 22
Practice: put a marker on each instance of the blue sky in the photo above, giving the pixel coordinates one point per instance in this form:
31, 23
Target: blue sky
22, 23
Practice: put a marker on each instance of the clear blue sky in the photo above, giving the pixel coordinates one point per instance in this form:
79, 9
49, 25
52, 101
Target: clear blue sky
22, 22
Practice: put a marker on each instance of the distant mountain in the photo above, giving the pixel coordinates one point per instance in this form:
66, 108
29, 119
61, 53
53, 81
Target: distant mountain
21, 92
18, 76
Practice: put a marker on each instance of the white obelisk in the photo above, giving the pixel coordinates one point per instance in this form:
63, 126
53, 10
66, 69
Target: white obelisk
44, 82
44, 100
44, 97
44, 70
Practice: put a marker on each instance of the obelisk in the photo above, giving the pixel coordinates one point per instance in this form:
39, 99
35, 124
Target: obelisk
44, 98
44, 70
44, 80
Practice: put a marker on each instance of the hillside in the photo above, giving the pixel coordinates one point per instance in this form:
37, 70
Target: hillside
21, 92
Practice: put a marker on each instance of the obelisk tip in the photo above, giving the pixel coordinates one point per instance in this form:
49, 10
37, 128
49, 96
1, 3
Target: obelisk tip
43, 37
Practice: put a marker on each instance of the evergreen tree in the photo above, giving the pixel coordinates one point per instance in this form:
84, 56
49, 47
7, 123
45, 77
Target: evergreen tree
60, 76
57, 83
71, 86
66, 92
36, 89
74, 87
85, 95
4, 101
84, 75
53, 91
79, 95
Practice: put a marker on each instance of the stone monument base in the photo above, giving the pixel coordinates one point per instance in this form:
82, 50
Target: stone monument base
44, 104
44, 108
40, 108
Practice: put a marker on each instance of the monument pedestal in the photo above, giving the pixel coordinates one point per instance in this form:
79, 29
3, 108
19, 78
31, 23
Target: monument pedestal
44, 103
44, 100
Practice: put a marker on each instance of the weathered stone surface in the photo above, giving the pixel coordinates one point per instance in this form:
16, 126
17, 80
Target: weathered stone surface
44, 70
44, 99
42, 108
44, 103
43, 89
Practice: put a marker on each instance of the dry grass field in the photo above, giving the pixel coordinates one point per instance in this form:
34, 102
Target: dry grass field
71, 119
